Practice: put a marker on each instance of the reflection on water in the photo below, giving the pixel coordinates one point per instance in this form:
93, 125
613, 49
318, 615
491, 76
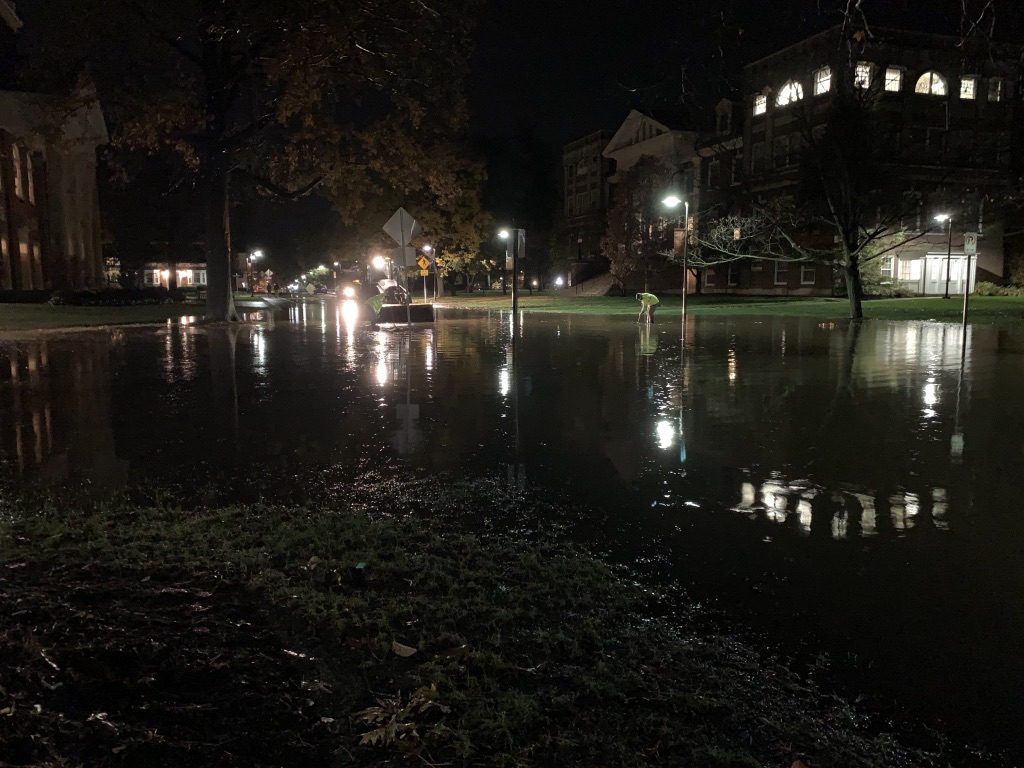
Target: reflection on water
843, 476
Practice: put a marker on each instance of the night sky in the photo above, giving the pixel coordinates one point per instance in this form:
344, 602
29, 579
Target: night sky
564, 68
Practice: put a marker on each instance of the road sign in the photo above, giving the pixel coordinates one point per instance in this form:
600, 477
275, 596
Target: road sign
970, 243
424, 273
423, 262
402, 227
403, 257
268, 273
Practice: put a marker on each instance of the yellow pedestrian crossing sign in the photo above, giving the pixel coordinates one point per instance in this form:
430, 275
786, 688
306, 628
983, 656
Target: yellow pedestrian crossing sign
423, 262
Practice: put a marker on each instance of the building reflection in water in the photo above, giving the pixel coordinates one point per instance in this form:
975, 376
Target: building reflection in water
52, 433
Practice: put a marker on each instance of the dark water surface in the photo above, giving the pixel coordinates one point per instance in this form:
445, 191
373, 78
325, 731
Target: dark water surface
842, 490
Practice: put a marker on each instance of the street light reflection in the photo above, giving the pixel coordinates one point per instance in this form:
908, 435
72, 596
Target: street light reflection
504, 381
666, 434
349, 314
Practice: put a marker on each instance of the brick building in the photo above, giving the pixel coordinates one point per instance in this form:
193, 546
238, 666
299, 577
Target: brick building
956, 120
585, 173
49, 206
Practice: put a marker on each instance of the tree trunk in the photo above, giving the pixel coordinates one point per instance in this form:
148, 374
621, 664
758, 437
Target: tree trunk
854, 288
220, 301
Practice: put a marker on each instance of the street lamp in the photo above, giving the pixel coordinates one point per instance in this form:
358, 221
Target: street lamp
251, 260
379, 263
945, 217
518, 236
672, 201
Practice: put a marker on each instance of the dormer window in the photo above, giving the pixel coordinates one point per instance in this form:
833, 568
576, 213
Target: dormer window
862, 75
931, 84
789, 93
822, 80
760, 104
969, 87
893, 79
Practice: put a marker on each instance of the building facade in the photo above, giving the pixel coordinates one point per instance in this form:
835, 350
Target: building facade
49, 206
954, 141
585, 198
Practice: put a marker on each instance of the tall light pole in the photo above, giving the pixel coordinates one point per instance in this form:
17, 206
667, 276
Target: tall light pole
945, 217
257, 254
517, 235
673, 201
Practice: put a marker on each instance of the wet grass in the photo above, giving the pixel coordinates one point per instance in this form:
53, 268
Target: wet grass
252, 636
983, 309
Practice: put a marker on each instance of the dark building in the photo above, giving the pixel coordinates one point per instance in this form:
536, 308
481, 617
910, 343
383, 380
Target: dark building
585, 173
955, 117
49, 206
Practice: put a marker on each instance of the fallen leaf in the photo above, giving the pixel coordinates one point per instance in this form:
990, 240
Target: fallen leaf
21, 564
799, 764
401, 650
452, 653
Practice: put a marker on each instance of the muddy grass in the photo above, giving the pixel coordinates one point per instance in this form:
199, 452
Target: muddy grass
282, 636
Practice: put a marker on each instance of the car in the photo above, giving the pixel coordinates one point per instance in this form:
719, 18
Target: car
321, 290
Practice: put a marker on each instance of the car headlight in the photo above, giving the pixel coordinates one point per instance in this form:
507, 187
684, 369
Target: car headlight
349, 292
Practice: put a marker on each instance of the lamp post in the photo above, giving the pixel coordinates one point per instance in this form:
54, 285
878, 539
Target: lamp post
257, 254
673, 201
427, 249
945, 217
517, 235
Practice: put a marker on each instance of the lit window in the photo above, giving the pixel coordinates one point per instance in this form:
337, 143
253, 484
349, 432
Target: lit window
760, 104
807, 273
862, 75
995, 89
822, 81
19, 183
893, 79
968, 87
931, 84
31, 180
789, 93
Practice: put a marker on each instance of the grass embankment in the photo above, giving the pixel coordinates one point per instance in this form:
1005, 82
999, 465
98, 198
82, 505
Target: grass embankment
983, 309
32, 317
250, 637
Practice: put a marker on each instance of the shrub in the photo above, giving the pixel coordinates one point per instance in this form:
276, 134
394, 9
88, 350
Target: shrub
982, 288
116, 297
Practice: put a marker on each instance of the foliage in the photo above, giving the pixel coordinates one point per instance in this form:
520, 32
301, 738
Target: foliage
541, 655
635, 239
117, 297
983, 288
358, 100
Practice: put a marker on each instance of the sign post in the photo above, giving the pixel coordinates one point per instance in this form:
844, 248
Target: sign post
970, 249
402, 228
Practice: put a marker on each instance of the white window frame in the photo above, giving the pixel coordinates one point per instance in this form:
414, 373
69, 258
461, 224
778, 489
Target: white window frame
790, 93
822, 81
760, 104
969, 87
709, 277
863, 73
803, 274
785, 272
887, 267
996, 89
932, 83
19, 177
893, 79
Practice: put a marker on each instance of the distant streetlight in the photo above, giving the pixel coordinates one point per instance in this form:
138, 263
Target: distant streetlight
673, 201
944, 218
379, 263
428, 248
503, 234
559, 281
518, 236
251, 260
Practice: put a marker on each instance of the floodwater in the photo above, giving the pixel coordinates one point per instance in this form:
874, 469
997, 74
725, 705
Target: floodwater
847, 491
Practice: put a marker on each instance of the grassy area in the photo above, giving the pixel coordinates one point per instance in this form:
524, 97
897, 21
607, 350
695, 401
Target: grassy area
983, 309
29, 317
252, 636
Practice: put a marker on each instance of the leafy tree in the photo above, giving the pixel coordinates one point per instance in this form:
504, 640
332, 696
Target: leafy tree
286, 96
634, 241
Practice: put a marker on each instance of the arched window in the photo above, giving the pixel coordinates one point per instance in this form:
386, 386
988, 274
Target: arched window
790, 92
932, 84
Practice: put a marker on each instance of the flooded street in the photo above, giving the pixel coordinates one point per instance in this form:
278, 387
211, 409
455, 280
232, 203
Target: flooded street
845, 491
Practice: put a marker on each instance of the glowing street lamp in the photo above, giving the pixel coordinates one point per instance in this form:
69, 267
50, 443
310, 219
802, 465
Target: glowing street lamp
943, 218
379, 263
672, 201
